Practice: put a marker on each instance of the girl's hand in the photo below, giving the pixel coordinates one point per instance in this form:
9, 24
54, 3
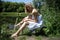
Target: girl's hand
26, 20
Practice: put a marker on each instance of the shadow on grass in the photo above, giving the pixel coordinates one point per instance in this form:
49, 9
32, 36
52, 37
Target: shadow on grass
40, 32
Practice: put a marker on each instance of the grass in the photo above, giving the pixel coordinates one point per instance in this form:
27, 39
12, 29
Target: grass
24, 37
12, 14
36, 38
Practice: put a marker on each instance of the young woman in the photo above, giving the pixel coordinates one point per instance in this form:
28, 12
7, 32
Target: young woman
32, 21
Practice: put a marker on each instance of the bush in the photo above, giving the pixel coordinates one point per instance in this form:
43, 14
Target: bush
5, 32
5, 35
50, 20
20, 9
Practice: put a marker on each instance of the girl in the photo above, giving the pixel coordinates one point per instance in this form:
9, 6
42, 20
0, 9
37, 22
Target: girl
33, 20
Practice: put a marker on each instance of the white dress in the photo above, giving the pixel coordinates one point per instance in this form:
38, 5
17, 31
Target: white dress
34, 25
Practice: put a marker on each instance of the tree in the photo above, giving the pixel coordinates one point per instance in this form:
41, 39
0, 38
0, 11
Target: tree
1, 5
12, 6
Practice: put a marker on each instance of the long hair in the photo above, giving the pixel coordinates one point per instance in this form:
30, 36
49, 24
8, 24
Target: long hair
28, 8
31, 11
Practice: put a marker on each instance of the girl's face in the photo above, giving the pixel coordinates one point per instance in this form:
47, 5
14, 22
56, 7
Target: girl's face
29, 8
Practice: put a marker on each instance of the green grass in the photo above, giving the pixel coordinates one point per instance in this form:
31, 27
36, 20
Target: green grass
12, 14
9, 32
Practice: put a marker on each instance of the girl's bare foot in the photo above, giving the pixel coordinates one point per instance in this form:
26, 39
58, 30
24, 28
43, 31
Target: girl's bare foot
14, 35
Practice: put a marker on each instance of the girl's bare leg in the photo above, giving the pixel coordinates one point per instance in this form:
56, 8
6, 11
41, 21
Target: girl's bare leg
19, 23
20, 29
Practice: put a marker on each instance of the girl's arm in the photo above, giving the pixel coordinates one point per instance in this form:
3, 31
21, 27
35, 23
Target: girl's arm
32, 20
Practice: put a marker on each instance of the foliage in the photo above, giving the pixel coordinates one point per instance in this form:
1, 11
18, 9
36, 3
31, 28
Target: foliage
12, 7
20, 9
50, 12
5, 21
4, 32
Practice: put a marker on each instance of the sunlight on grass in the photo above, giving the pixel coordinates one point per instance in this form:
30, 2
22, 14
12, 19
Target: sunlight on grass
12, 14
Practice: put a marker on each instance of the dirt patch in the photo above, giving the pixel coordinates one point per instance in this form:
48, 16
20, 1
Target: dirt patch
36, 38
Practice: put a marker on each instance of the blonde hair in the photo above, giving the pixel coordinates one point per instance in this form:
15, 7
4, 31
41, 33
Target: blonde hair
33, 11
28, 5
